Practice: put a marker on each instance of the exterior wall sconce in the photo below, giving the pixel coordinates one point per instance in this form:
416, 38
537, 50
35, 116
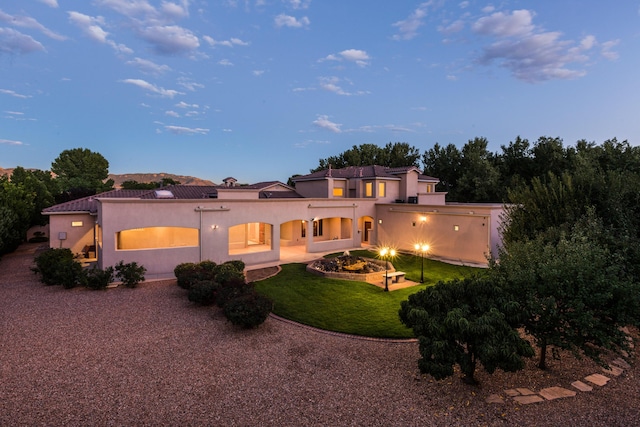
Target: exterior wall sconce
423, 218
456, 228
379, 221
215, 227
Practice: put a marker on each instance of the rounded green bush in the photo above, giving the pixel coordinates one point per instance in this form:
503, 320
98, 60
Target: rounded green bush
204, 292
248, 310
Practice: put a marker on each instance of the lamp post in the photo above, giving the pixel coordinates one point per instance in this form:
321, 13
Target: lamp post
422, 247
385, 253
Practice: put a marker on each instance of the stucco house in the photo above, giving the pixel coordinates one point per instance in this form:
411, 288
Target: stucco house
330, 210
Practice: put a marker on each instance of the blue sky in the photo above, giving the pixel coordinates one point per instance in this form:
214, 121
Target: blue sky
262, 89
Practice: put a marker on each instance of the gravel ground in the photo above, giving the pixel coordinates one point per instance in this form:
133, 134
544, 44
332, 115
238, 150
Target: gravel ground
147, 356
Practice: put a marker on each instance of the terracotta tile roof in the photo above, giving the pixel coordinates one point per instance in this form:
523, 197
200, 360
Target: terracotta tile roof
89, 204
184, 192
373, 171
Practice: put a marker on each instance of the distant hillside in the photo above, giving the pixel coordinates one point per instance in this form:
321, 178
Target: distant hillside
142, 177
155, 177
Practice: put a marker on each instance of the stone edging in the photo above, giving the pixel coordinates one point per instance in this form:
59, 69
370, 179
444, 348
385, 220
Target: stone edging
526, 396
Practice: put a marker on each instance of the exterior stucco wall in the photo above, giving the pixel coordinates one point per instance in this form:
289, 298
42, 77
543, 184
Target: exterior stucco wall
76, 237
313, 189
214, 218
464, 233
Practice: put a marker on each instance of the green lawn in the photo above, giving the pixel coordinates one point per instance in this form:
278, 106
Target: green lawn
346, 306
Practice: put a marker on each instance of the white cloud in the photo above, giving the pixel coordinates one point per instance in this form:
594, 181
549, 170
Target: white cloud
227, 43
331, 84
11, 142
183, 104
28, 22
50, 3
283, 20
130, 8
180, 130
298, 4
189, 84
165, 93
499, 24
454, 27
90, 26
170, 39
531, 53
171, 113
149, 67
12, 93
606, 49
360, 57
408, 28
14, 42
174, 10
323, 122
225, 62
257, 73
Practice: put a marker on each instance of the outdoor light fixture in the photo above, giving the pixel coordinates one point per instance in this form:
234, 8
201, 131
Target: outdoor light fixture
423, 218
422, 248
214, 227
385, 254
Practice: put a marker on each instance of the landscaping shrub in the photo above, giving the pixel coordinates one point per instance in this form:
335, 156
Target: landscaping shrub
58, 267
189, 273
229, 271
130, 274
71, 274
207, 265
204, 292
98, 279
248, 310
237, 264
232, 289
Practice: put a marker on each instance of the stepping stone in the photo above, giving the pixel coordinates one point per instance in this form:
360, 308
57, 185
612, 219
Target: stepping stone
525, 400
621, 363
551, 393
597, 379
613, 370
494, 398
512, 392
581, 386
525, 391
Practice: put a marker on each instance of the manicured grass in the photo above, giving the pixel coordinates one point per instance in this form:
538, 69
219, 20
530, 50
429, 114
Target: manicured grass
357, 308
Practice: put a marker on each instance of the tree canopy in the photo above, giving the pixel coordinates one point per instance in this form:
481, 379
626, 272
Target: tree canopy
81, 171
395, 154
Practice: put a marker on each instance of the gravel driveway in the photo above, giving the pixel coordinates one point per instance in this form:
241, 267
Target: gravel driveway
147, 356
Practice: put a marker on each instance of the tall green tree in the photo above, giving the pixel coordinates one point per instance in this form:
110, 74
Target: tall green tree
574, 292
16, 211
464, 322
80, 171
37, 185
479, 177
444, 163
395, 154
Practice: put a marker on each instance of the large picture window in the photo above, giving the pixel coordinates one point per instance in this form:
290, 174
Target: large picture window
382, 189
368, 189
156, 238
250, 237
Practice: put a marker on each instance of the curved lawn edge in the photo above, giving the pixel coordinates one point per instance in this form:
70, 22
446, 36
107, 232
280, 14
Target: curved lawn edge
335, 305
342, 334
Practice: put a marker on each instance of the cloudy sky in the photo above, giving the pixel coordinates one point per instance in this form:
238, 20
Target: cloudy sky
262, 89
